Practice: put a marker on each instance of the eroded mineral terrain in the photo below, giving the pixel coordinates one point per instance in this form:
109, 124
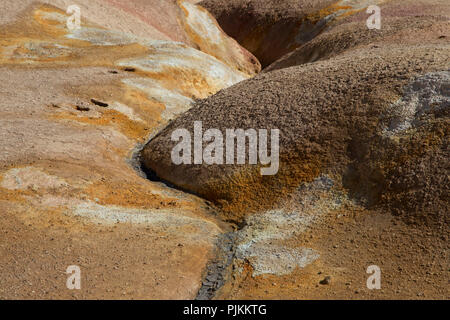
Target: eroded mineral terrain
87, 178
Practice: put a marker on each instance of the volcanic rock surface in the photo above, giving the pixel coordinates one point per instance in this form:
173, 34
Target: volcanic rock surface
87, 179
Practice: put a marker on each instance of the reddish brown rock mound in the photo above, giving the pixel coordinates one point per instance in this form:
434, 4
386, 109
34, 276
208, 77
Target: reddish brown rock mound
347, 118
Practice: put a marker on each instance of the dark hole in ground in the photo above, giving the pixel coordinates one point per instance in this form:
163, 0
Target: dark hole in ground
99, 103
82, 108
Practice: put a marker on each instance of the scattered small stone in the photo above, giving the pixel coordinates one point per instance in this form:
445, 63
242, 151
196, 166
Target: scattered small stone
113, 71
211, 277
82, 108
130, 69
326, 280
99, 103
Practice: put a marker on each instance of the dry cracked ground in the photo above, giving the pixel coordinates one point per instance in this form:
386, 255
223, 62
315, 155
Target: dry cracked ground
87, 179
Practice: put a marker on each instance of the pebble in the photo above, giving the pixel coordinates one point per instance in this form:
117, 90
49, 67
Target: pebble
326, 280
